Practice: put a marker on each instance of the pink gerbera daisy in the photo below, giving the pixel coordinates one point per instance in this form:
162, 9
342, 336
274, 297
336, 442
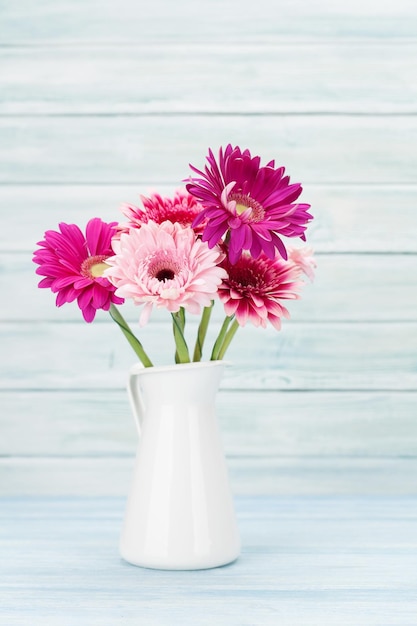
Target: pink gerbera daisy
165, 265
254, 289
254, 205
303, 257
182, 208
73, 266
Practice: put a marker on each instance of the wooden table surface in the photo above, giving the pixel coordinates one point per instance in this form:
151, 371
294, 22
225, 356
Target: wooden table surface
306, 561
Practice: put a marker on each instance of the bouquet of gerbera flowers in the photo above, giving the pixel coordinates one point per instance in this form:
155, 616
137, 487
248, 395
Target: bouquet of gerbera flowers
222, 237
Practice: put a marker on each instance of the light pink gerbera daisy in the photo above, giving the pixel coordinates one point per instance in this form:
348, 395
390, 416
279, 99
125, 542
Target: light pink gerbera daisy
165, 265
182, 208
73, 266
303, 257
254, 289
253, 205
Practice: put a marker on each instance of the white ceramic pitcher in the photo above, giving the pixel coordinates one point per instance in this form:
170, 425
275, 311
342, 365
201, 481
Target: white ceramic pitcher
180, 512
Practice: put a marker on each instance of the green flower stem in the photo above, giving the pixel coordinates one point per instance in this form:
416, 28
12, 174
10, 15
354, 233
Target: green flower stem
202, 331
219, 341
228, 338
181, 317
134, 342
181, 354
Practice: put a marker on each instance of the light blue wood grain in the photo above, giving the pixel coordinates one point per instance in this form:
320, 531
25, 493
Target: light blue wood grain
158, 149
249, 475
213, 22
274, 424
317, 356
347, 217
186, 79
305, 562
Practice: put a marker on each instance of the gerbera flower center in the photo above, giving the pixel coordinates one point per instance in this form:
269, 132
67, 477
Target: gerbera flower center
163, 267
165, 274
94, 266
245, 202
246, 278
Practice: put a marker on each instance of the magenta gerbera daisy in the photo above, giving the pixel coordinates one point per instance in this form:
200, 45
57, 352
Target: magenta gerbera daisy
253, 205
254, 289
73, 265
182, 209
167, 266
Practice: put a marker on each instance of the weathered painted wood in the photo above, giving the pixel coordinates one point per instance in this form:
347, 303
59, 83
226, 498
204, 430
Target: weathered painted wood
336, 561
214, 22
347, 218
346, 288
172, 67
324, 356
333, 562
158, 149
308, 476
272, 424
184, 78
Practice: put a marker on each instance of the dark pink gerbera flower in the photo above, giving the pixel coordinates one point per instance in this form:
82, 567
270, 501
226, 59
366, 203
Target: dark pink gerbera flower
73, 265
254, 288
182, 209
254, 205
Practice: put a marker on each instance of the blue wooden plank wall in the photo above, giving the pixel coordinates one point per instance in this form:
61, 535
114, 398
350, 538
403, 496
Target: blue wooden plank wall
100, 102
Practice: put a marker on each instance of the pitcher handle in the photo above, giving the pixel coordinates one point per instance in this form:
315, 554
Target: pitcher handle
135, 398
